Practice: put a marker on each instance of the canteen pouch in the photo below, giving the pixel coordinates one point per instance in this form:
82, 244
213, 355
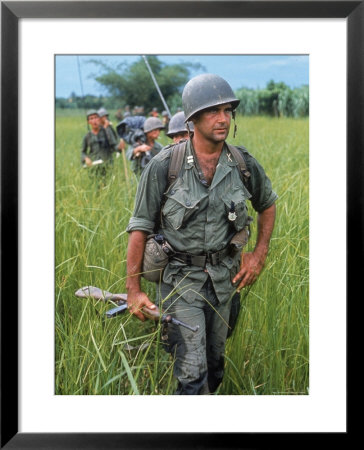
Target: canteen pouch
156, 256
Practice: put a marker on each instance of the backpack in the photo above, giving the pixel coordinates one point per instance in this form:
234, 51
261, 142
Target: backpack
131, 129
178, 154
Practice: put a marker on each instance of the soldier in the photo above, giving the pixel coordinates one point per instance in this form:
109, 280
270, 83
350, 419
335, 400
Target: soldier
154, 112
177, 128
119, 115
98, 145
147, 146
105, 122
199, 215
165, 120
177, 131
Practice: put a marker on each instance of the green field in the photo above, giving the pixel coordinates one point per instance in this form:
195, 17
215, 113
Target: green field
268, 352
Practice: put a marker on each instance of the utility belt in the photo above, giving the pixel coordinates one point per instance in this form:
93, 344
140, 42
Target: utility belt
158, 252
202, 260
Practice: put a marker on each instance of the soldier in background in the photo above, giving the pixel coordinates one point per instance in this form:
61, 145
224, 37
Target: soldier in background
177, 128
165, 120
147, 146
119, 115
105, 122
154, 112
98, 146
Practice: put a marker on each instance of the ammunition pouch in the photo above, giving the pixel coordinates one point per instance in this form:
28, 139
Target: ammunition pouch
156, 256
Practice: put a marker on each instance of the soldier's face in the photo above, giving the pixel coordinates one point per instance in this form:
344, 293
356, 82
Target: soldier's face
214, 123
94, 121
177, 137
154, 134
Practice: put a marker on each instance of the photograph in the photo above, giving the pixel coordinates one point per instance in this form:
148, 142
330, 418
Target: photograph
188, 274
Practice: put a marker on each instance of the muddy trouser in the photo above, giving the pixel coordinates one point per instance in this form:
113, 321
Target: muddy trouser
234, 313
199, 360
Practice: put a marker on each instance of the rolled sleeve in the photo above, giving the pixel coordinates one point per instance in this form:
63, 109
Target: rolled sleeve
140, 224
259, 185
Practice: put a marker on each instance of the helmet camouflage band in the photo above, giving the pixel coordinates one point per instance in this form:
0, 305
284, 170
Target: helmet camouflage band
152, 123
177, 125
205, 91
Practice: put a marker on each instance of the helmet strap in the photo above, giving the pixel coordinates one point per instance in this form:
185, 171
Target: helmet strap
189, 131
235, 127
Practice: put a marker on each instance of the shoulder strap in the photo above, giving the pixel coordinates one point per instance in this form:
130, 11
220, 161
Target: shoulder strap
176, 161
177, 158
175, 164
239, 158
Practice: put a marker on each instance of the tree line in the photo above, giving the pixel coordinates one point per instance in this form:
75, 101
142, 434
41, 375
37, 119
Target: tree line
132, 85
276, 99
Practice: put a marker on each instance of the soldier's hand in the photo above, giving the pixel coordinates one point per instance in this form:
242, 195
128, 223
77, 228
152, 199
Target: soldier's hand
121, 145
250, 268
88, 161
136, 301
144, 148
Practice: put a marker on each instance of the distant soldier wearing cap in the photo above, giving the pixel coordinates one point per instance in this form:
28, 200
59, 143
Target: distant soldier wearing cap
165, 120
98, 145
154, 112
203, 216
143, 151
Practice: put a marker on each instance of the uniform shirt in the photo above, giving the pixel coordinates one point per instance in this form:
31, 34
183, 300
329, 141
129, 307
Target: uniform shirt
99, 146
138, 164
194, 216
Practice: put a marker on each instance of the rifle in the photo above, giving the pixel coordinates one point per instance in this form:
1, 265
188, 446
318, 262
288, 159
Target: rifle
121, 301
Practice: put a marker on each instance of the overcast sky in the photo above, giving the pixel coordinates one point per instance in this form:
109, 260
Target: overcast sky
76, 73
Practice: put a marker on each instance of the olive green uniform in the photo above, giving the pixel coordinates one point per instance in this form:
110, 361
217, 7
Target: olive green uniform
138, 164
99, 146
195, 220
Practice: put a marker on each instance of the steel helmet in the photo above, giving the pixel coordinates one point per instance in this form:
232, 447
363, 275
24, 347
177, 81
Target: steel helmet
102, 112
91, 112
177, 124
152, 123
205, 91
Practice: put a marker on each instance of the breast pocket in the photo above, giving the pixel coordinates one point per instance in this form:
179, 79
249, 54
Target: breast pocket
235, 206
179, 207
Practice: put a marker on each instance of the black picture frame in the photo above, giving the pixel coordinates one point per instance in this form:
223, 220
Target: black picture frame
11, 12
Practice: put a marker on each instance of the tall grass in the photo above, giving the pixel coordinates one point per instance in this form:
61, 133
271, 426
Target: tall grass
268, 351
